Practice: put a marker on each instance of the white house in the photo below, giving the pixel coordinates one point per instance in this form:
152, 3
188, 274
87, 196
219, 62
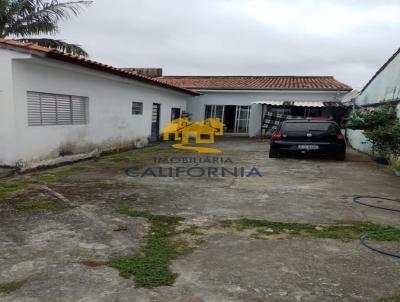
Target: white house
382, 88
242, 101
54, 105
58, 107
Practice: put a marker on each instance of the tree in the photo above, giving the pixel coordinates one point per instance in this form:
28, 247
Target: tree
22, 20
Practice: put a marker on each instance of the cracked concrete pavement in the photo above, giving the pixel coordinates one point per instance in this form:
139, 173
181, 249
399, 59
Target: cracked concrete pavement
46, 247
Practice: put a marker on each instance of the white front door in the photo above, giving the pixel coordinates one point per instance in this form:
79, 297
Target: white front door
242, 119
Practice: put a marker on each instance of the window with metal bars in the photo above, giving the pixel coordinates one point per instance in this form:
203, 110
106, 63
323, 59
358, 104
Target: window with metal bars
45, 109
137, 108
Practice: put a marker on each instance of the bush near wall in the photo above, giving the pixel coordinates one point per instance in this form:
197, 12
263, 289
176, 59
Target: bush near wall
380, 126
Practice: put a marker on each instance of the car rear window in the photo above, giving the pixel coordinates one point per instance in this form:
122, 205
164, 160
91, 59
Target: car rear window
309, 127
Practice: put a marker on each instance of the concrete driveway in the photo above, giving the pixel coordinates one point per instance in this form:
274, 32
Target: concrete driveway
289, 235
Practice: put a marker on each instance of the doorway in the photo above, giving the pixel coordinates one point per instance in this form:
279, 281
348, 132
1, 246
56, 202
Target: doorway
230, 118
155, 123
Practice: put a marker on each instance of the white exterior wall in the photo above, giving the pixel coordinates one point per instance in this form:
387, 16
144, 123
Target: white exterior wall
239, 97
358, 141
111, 124
384, 87
7, 120
7, 129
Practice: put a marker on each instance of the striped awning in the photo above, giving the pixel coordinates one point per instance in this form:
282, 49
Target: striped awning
299, 103
308, 104
274, 103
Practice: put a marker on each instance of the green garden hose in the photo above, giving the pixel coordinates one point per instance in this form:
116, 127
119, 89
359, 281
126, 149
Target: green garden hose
364, 237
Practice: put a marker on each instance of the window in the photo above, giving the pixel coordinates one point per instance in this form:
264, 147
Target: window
175, 113
46, 109
310, 127
137, 108
214, 111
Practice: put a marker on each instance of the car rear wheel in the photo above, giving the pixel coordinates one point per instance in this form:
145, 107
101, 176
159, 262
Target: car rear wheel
341, 156
273, 153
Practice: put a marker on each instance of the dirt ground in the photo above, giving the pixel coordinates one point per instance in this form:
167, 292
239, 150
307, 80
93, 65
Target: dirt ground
59, 228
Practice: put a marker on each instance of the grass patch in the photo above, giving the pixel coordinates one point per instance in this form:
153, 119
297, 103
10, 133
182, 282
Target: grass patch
117, 158
36, 204
349, 231
146, 152
391, 299
11, 286
151, 267
11, 187
59, 174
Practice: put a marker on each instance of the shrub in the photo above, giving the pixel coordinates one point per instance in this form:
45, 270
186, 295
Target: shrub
372, 119
395, 165
386, 140
381, 127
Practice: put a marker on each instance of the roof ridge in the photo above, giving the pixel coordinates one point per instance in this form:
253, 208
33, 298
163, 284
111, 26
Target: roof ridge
257, 82
245, 76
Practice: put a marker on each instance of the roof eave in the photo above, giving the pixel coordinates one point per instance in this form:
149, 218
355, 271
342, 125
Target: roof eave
60, 56
380, 70
23, 50
119, 72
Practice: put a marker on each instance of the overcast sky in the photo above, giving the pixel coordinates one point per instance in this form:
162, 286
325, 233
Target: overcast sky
349, 39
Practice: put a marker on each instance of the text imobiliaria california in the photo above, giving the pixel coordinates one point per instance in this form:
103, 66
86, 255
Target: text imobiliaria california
206, 166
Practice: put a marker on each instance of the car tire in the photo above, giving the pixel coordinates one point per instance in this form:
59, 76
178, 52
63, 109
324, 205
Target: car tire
273, 153
341, 156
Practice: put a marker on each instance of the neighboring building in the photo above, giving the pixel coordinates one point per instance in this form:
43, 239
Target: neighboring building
148, 72
350, 98
55, 106
58, 107
383, 88
241, 102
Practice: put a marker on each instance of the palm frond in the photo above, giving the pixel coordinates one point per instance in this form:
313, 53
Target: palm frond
57, 44
56, 10
31, 17
4, 15
38, 27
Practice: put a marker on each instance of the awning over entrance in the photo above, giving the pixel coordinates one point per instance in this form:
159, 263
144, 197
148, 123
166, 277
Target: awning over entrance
274, 103
299, 103
308, 104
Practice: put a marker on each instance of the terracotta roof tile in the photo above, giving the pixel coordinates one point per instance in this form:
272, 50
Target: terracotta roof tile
256, 82
82, 61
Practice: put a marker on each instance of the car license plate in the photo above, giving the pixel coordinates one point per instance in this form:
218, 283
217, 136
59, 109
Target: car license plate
308, 147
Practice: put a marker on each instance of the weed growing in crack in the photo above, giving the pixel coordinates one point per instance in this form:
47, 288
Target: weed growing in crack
146, 152
8, 188
391, 299
60, 173
151, 267
11, 286
350, 231
36, 204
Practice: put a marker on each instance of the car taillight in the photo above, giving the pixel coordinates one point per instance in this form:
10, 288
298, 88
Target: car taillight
277, 136
340, 136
